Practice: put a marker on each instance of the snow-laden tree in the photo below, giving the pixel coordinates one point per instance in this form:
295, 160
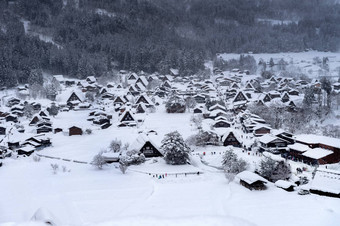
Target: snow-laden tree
176, 151
53, 110
309, 97
35, 77
115, 145
274, 170
90, 96
132, 158
232, 164
175, 104
98, 160
190, 102
28, 111
203, 138
327, 86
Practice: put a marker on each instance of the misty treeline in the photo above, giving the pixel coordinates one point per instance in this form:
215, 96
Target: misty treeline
154, 35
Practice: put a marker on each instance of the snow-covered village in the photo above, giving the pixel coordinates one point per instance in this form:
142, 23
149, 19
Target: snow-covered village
248, 138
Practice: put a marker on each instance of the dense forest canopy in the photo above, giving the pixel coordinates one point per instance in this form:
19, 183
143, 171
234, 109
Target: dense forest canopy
97, 36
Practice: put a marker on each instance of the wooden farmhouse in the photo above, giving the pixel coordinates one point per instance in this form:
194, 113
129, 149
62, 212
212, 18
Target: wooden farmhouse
148, 145
231, 138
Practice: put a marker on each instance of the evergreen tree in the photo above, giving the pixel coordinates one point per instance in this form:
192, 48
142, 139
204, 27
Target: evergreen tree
176, 152
327, 86
53, 110
309, 97
271, 63
35, 77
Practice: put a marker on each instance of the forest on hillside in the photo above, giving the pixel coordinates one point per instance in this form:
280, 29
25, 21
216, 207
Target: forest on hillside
97, 36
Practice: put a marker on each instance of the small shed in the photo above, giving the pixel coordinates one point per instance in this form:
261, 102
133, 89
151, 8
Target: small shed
251, 180
111, 157
74, 130
25, 150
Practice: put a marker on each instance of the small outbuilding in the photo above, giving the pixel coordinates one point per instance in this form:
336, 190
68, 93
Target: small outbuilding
251, 180
74, 130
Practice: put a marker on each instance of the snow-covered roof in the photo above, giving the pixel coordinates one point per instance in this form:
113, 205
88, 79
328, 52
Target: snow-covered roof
298, 147
174, 71
317, 153
144, 80
315, 139
326, 180
27, 148
111, 154
91, 78
59, 78
250, 177
227, 131
267, 138
284, 184
65, 95
155, 140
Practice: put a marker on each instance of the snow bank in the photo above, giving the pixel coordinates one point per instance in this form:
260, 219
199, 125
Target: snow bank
185, 221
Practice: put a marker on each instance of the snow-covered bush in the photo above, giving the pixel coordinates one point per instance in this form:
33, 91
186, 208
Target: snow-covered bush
65, 169
132, 158
88, 131
203, 138
175, 105
115, 145
55, 168
176, 152
98, 160
232, 164
274, 170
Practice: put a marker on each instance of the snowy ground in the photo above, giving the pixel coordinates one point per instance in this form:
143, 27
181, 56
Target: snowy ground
87, 196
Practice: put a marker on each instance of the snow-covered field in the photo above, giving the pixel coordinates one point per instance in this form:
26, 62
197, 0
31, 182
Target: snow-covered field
87, 196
